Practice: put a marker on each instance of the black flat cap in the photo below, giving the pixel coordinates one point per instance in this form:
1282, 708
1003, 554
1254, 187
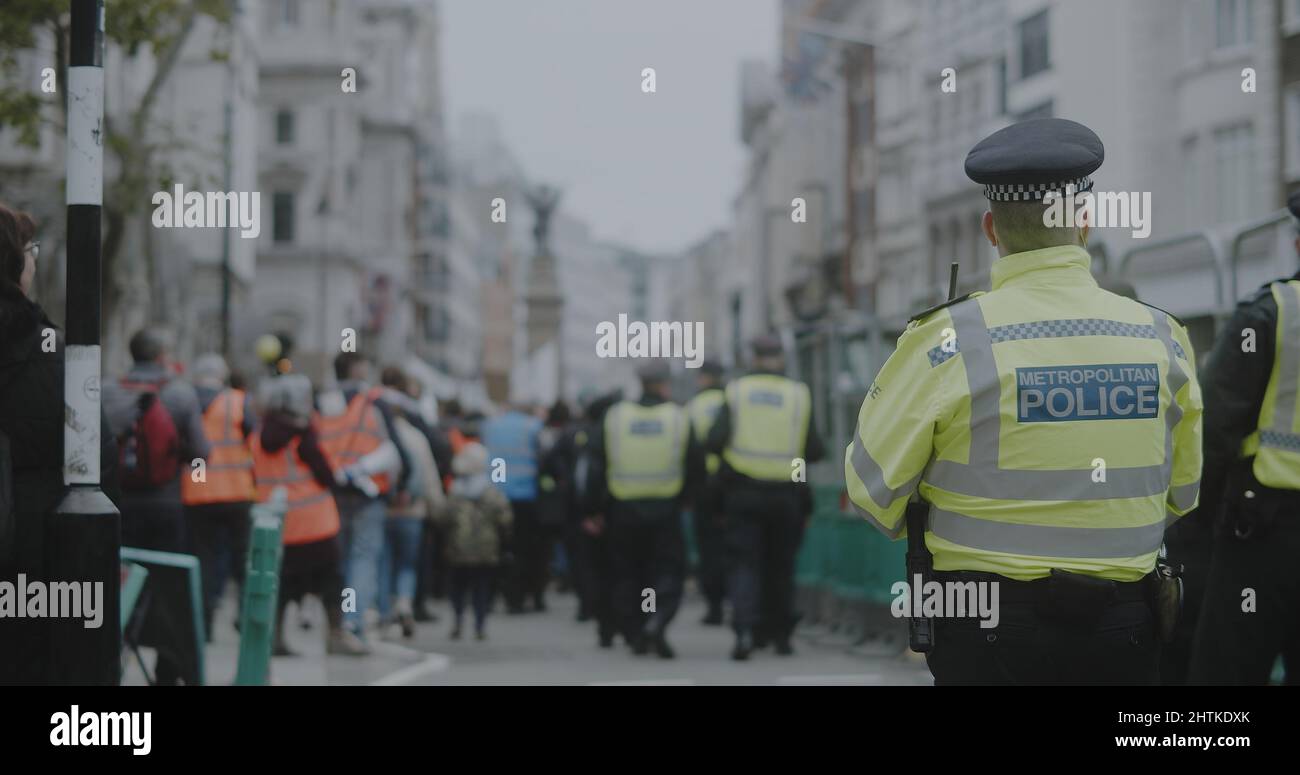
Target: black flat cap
765, 345
1293, 203
1023, 162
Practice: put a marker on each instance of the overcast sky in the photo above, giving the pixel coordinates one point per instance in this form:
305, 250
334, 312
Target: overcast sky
654, 171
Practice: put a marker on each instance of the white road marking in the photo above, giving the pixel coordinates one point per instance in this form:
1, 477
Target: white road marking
429, 663
647, 682
857, 679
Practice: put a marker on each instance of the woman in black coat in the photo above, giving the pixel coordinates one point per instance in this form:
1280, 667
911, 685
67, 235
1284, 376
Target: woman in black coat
31, 417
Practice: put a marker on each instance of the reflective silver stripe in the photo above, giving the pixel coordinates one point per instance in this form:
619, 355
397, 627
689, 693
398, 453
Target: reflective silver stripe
1183, 496
1046, 540
1288, 363
983, 478
877, 524
873, 476
309, 500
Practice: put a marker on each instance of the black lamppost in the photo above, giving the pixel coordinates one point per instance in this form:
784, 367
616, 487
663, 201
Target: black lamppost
83, 534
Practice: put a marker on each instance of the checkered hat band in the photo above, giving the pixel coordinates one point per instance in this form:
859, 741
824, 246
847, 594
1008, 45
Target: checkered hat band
1056, 329
1032, 192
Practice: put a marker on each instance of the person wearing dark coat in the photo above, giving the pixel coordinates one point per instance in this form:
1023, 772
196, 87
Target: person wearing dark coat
31, 425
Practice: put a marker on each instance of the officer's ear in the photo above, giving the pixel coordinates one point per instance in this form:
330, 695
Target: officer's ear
987, 224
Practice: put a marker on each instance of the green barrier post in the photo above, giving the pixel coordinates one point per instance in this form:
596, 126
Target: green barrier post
261, 592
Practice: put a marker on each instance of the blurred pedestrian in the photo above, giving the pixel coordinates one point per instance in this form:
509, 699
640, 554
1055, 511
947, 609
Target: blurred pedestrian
31, 442
357, 434
645, 463
766, 436
217, 504
554, 496
478, 519
157, 421
406, 520
513, 438
706, 514
588, 545
287, 454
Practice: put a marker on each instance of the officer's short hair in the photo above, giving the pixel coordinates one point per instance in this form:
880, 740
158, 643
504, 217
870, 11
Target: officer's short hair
146, 346
1019, 226
343, 364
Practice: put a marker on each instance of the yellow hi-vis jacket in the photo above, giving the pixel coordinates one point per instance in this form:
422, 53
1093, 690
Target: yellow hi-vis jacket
1276, 443
703, 411
1048, 423
645, 450
769, 425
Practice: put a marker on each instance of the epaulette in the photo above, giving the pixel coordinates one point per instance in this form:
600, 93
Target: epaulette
926, 313
1167, 312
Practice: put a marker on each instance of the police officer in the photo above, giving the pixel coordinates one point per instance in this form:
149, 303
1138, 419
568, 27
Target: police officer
707, 521
645, 464
1049, 425
1251, 609
766, 437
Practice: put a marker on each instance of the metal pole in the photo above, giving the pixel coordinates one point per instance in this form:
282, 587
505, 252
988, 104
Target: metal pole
83, 533
225, 233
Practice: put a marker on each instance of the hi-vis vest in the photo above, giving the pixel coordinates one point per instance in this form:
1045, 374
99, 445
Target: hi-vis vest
1276, 443
645, 450
703, 411
1048, 423
769, 425
312, 514
348, 437
229, 469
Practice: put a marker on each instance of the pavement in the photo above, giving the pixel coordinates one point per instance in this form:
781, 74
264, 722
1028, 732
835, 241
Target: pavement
551, 648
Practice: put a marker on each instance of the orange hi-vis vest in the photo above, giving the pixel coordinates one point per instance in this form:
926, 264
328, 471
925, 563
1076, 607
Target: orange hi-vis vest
229, 470
348, 437
312, 514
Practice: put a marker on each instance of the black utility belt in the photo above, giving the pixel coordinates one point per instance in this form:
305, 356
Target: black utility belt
1050, 587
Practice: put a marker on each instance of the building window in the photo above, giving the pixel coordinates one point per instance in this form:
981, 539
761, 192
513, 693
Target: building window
284, 127
1191, 167
1291, 130
1043, 110
1002, 86
1232, 23
1291, 17
1234, 152
282, 216
289, 13
1032, 34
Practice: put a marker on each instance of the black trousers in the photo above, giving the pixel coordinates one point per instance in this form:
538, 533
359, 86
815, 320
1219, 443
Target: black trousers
1030, 649
710, 539
530, 543
764, 527
1251, 610
218, 536
645, 552
472, 582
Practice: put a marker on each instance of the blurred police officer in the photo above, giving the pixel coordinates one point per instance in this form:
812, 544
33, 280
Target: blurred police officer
707, 521
766, 437
1251, 609
644, 464
1050, 425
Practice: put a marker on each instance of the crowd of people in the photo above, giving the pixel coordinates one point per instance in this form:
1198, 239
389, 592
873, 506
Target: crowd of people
388, 508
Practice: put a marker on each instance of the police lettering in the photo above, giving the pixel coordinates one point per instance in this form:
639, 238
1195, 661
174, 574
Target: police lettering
1120, 391
646, 428
766, 397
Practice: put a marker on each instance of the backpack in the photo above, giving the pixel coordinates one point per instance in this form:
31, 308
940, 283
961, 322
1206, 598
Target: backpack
149, 451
